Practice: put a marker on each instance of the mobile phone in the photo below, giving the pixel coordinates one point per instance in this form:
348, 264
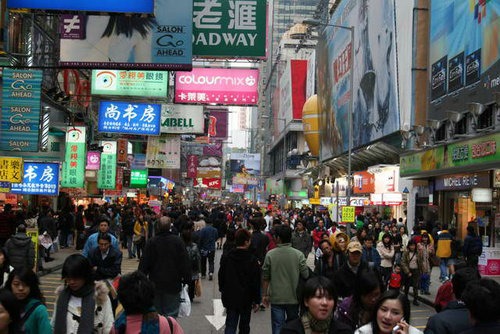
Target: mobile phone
397, 327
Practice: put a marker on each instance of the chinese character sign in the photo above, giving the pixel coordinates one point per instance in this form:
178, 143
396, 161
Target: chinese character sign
163, 152
106, 178
138, 178
129, 117
20, 110
229, 28
130, 83
39, 178
73, 168
11, 169
192, 166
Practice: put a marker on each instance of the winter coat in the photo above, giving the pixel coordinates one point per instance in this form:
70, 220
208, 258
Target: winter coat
239, 279
367, 329
386, 255
345, 279
302, 241
426, 251
21, 251
443, 244
103, 312
38, 322
453, 319
259, 245
405, 261
295, 327
107, 268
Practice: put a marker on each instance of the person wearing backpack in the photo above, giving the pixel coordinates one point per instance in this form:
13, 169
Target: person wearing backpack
25, 285
194, 257
473, 247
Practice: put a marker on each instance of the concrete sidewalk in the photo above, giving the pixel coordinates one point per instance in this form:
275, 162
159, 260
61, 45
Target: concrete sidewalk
59, 258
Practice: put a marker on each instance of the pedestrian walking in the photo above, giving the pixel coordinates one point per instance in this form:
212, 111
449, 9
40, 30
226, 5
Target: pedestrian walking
91, 242
208, 237
20, 249
412, 263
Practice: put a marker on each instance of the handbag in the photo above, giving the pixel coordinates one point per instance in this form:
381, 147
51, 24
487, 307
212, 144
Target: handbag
185, 306
136, 239
197, 288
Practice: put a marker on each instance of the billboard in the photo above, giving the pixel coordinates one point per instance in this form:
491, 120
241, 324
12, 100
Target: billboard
464, 55
130, 83
73, 167
177, 118
39, 178
162, 41
293, 91
20, 110
245, 168
223, 28
217, 85
375, 97
217, 125
164, 152
106, 177
129, 117
112, 6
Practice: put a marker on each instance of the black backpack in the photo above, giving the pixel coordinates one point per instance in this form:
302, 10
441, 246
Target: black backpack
476, 247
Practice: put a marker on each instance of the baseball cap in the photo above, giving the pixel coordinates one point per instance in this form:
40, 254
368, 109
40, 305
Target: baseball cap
354, 246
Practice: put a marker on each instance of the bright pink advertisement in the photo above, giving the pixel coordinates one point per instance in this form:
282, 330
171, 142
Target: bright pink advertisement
93, 160
225, 86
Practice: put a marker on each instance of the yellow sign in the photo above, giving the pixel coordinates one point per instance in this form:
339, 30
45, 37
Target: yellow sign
348, 214
33, 233
11, 169
314, 201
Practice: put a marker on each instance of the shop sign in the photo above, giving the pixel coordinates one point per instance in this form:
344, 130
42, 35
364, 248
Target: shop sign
93, 160
73, 167
392, 198
177, 118
20, 115
138, 178
192, 165
164, 152
130, 83
122, 150
376, 199
364, 183
233, 28
11, 169
314, 201
106, 178
348, 214
325, 200
129, 117
210, 183
4, 187
463, 181
39, 178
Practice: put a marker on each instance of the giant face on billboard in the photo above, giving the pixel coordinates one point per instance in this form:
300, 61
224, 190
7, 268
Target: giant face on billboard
464, 55
375, 104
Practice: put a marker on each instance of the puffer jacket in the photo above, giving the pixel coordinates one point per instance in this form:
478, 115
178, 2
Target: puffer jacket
386, 255
21, 251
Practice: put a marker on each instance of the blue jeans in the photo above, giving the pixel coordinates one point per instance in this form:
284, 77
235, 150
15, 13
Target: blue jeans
167, 304
210, 257
233, 315
282, 313
425, 282
443, 267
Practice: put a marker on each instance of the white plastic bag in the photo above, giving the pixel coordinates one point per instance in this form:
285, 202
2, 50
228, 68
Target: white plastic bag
185, 306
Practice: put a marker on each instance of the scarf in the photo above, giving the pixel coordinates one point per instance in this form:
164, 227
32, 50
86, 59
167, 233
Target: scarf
86, 320
150, 322
313, 325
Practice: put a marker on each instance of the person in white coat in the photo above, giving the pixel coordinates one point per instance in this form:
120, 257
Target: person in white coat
391, 316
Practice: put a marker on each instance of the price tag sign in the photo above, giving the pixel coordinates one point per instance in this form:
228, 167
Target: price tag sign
348, 214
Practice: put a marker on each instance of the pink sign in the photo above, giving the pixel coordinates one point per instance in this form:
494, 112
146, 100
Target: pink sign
93, 160
192, 166
217, 85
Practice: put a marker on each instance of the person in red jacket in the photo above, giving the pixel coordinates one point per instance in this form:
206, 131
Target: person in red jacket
396, 278
318, 232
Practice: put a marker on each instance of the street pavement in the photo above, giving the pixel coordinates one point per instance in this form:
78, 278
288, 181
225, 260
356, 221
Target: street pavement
207, 314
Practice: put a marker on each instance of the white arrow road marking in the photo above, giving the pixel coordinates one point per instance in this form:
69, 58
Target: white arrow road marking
219, 318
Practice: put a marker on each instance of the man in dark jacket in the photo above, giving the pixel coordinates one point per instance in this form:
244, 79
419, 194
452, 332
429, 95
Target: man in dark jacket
345, 277
473, 247
208, 237
7, 224
454, 318
239, 284
20, 249
105, 260
166, 262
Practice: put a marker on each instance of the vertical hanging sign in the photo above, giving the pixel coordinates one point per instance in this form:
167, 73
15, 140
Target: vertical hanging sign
107, 174
20, 110
73, 170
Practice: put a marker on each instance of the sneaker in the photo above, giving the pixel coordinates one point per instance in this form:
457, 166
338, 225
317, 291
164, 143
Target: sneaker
210, 276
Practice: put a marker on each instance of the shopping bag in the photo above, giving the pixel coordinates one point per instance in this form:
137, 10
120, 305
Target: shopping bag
197, 288
185, 306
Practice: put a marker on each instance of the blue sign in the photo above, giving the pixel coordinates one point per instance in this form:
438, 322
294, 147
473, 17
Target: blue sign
113, 6
40, 178
20, 110
129, 117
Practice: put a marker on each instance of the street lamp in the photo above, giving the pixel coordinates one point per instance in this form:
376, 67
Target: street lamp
317, 23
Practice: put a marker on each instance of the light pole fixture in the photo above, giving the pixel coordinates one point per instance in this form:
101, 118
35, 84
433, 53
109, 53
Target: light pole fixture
317, 23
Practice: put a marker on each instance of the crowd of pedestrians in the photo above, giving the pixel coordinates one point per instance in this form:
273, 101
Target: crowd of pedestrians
360, 281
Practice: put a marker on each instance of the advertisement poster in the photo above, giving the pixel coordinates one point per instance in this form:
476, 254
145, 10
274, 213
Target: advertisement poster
245, 168
376, 111
129, 117
164, 152
73, 167
464, 55
93, 160
106, 177
177, 118
130, 83
39, 178
162, 41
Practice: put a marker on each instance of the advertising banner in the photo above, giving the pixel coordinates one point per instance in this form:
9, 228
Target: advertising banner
39, 178
229, 28
214, 149
164, 152
162, 41
245, 168
177, 118
192, 165
127, 117
122, 150
20, 110
106, 177
138, 178
376, 111
93, 160
209, 183
130, 83
217, 85
464, 55
364, 183
11, 170
118, 6
293, 91
73, 167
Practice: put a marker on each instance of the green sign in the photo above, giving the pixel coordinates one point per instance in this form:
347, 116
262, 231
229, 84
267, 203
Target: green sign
229, 28
107, 174
130, 83
473, 152
138, 178
73, 167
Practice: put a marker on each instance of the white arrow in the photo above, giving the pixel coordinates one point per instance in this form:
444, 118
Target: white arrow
218, 319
